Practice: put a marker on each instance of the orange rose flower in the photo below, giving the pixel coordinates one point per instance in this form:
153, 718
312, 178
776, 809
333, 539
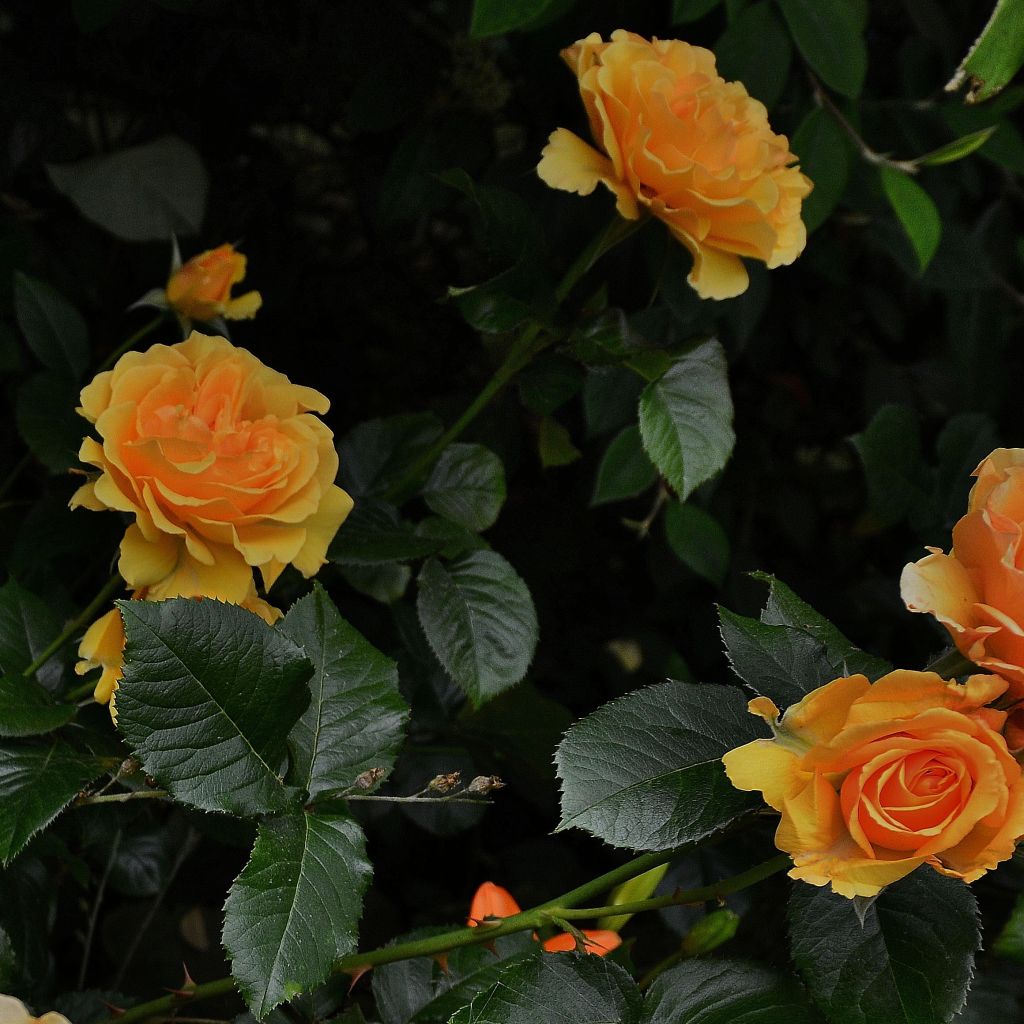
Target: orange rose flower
102, 646
977, 590
491, 901
676, 139
201, 288
220, 462
874, 780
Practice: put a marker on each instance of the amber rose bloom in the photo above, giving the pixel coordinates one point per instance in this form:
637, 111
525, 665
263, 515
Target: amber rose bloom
220, 462
201, 288
977, 590
676, 139
873, 781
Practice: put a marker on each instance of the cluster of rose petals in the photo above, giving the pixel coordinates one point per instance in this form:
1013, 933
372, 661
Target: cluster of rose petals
223, 467
200, 289
872, 781
675, 139
977, 590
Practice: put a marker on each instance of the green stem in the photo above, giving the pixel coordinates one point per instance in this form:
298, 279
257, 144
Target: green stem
702, 895
109, 588
120, 798
950, 664
131, 342
531, 341
528, 920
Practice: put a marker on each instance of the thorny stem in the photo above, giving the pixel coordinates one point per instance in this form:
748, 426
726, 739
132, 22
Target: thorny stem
531, 341
122, 798
825, 101
529, 920
417, 799
109, 588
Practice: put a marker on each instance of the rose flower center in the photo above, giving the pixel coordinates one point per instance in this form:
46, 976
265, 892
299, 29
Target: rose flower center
193, 438
905, 801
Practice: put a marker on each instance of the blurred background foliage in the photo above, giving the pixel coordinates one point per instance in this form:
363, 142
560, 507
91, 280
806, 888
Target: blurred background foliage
368, 157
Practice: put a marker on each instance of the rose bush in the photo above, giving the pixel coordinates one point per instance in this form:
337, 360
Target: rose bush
872, 781
678, 141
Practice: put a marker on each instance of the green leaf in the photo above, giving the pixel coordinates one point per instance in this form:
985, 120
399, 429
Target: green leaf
916, 212
564, 988
423, 992
495, 17
686, 419
548, 383
755, 50
685, 11
909, 963
639, 887
374, 534
44, 410
28, 625
644, 772
295, 907
36, 783
143, 193
1009, 943
625, 470
209, 695
792, 649
997, 54
957, 149
479, 619
698, 541
824, 153
890, 450
375, 454
784, 608
727, 992
356, 718
386, 583
53, 328
554, 444
782, 663
467, 486
829, 36
26, 709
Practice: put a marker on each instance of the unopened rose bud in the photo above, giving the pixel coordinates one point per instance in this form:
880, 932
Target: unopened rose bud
484, 784
444, 783
369, 778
